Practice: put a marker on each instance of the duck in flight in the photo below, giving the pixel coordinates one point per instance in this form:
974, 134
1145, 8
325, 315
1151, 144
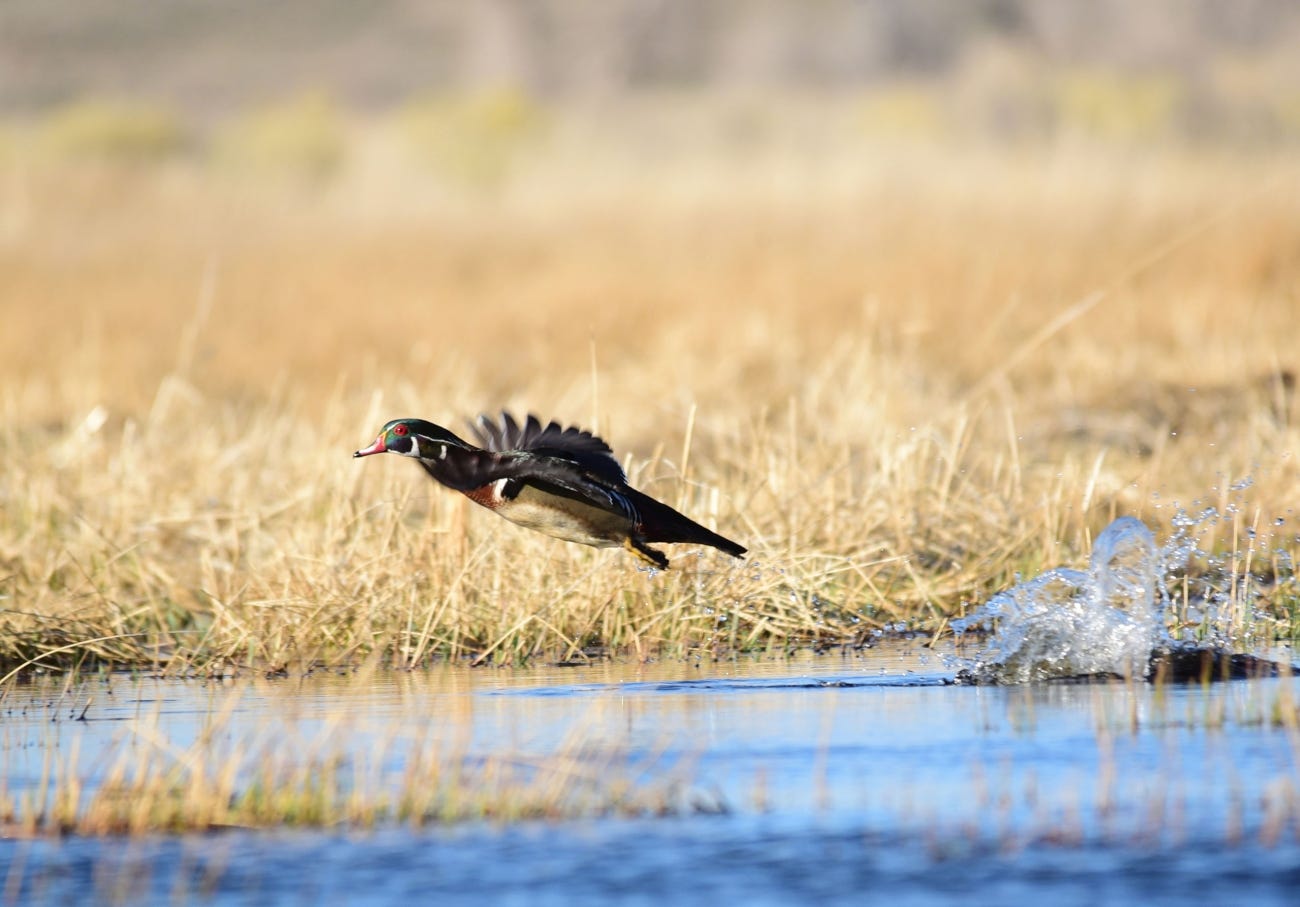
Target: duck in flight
563, 482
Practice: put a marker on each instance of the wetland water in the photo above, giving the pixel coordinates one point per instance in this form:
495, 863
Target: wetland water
845, 779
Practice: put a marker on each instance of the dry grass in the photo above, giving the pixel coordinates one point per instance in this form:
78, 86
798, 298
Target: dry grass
899, 374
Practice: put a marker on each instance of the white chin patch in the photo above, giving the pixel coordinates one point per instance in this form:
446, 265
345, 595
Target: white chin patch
435, 450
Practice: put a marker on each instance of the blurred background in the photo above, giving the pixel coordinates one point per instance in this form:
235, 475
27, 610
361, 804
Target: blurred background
1007, 69
501, 200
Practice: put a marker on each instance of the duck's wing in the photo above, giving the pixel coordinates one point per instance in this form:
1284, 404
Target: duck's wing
563, 478
467, 470
584, 450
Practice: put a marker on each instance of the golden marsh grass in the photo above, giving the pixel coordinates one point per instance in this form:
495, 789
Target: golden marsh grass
899, 373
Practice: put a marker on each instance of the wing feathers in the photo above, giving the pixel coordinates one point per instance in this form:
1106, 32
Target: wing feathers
579, 447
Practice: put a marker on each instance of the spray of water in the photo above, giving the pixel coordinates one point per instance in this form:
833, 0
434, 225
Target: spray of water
1070, 622
1112, 618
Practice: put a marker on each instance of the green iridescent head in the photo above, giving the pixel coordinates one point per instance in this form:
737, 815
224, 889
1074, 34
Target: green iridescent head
411, 438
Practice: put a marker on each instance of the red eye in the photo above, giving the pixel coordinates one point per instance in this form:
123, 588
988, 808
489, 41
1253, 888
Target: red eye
399, 430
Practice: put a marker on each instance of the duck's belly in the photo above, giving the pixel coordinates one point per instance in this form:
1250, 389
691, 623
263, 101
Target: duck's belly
563, 518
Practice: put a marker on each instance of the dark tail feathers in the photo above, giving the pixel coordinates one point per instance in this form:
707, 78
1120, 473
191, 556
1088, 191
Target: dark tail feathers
660, 523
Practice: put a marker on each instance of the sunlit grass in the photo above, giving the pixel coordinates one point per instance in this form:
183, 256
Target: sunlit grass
902, 376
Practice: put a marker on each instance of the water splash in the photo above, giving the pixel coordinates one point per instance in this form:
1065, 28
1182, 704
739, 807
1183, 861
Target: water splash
1062, 623
1179, 607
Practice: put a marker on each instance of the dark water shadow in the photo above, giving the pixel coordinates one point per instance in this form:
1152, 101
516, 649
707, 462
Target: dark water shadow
1184, 665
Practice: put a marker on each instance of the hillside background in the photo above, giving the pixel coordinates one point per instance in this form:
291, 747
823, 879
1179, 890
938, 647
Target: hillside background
1203, 69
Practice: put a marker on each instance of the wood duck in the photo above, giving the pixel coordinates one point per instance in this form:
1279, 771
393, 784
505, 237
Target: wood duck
563, 482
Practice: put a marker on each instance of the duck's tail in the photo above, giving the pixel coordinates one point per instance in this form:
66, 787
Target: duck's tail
661, 523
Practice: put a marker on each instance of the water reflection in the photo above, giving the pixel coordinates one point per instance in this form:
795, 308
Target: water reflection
824, 759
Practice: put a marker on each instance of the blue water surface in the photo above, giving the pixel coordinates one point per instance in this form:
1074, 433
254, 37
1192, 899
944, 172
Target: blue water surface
856, 778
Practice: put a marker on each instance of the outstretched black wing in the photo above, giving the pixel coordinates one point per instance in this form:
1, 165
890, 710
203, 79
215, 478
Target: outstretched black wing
581, 448
565, 462
558, 476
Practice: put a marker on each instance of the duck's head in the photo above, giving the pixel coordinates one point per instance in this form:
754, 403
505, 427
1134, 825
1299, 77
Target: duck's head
412, 438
